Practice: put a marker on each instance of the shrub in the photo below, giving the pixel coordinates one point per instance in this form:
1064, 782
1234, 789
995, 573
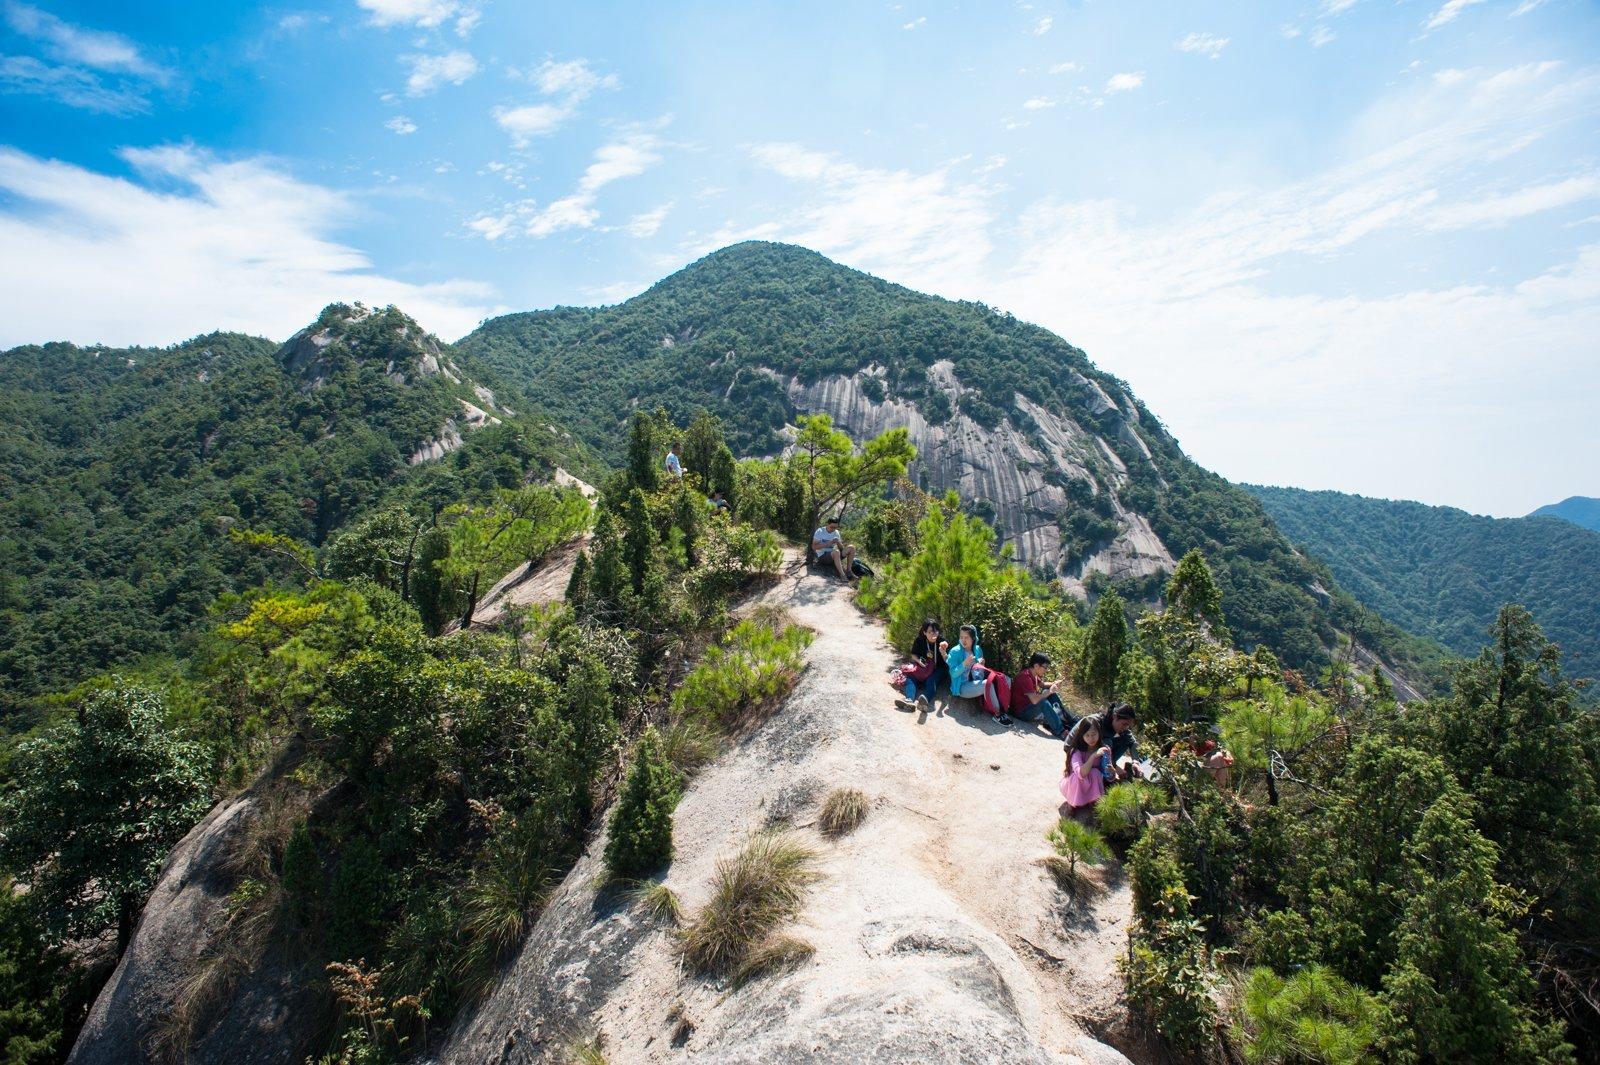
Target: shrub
1123, 811
1169, 981
752, 893
505, 892
302, 877
1074, 843
1314, 1016
1278, 939
754, 665
731, 557
842, 811
641, 829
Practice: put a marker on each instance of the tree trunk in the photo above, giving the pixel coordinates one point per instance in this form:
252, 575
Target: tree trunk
405, 567
472, 604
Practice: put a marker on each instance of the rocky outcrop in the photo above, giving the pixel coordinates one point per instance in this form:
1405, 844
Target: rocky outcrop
271, 1011
937, 934
1021, 467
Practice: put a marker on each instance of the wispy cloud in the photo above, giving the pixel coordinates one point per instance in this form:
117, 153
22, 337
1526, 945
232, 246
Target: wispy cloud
1527, 6
1038, 103
1042, 27
401, 124
242, 239
1447, 14
1331, 8
428, 72
626, 157
1206, 44
1125, 82
920, 20
423, 13
569, 83
1068, 67
648, 223
90, 69
1321, 35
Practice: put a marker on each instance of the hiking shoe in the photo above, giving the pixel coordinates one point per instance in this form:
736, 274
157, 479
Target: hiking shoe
922, 703
902, 704
1004, 719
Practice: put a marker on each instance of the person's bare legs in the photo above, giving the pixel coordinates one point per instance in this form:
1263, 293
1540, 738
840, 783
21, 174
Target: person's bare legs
838, 564
845, 562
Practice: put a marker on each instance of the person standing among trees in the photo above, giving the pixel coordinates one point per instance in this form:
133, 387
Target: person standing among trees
674, 463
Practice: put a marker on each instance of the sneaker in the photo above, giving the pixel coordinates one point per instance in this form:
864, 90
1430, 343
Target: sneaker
922, 703
902, 704
1004, 719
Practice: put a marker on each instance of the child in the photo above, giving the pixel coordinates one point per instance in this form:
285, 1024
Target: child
1084, 779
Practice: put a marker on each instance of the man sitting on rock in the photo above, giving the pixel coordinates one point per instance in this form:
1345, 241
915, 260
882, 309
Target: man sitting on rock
828, 545
1035, 699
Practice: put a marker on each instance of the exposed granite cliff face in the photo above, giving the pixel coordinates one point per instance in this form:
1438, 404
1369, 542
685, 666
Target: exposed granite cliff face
1021, 472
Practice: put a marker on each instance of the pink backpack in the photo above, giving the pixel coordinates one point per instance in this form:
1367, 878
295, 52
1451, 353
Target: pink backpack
997, 693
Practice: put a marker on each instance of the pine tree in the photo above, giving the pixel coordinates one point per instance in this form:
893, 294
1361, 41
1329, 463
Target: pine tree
1192, 593
578, 585
1103, 646
686, 514
1457, 976
640, 839
608, 575
638, 539
643, 463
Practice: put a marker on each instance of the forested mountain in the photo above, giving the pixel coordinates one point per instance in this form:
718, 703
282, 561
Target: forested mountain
1071, 469
1579, 510
1444, 573
125, 469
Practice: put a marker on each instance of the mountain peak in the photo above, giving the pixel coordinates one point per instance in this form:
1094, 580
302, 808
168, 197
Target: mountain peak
345, 331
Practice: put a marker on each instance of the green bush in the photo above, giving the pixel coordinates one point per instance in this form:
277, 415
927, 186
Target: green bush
732, 555
1169, 981
640, 840
1314, 1017
1123, 810
357, 899
1074, 843
755, 664
302, 877
1278, 939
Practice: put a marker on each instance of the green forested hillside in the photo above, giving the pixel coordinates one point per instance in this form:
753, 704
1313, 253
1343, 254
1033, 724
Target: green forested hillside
123, 469
1579, 510
1444, 573
719, 334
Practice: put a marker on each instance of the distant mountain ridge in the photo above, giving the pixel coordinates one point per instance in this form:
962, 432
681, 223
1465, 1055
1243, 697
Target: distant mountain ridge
1072, 470
1582, 511
1443, 573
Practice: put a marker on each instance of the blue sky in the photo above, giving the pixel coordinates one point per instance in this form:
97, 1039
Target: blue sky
1347, 244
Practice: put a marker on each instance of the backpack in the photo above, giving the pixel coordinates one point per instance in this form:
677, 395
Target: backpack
860, 568
997, 693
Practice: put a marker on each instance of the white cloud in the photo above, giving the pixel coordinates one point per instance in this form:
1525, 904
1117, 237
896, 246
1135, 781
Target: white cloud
96, 49
424, 13
648, 223
70, 85
1447, 14
236, 245
1038, 103
1289, 31
1068, 67
914, 23
532, 120
573, 81
628, 157
1124, 82
1527, 6
428, 72
1206, 44
1042, 27
1336, 7
1320, 36
1500, 210
401, 124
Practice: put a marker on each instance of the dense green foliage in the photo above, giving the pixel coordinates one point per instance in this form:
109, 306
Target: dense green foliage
640, 837
1314, 1017
1444, 573
124, 469
724, 334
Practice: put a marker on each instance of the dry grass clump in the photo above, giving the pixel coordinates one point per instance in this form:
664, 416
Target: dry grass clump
777, 952
753, 892
842, 811
585, 1051
658, 901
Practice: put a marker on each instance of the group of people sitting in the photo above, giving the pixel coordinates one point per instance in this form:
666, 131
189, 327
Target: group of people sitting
1101, 748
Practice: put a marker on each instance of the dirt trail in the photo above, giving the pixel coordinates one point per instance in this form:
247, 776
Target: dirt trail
938, 936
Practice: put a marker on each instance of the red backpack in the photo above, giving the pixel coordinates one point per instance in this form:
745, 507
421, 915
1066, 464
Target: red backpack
996, 693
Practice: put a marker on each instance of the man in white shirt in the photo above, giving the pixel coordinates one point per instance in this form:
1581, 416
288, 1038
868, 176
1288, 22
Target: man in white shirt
674, 463
829, 546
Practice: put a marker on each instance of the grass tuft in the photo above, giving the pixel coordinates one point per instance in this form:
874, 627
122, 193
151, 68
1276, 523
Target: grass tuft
752, 893
658, 901
585, 1051
842, 811
773, 954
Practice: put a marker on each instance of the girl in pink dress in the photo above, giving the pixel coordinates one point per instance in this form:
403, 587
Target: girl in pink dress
1084, 782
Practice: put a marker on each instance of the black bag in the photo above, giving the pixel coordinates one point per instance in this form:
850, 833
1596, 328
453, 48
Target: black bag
861, 569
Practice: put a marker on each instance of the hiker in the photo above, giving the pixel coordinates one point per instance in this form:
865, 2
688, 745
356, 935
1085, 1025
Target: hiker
968, 675
1032, 699
1083, 779
716, 502
1211, 755
829, 546
674, 463
922, 672
1116, 730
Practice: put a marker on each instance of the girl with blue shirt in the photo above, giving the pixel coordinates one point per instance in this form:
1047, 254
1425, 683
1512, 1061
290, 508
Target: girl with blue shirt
965, 661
